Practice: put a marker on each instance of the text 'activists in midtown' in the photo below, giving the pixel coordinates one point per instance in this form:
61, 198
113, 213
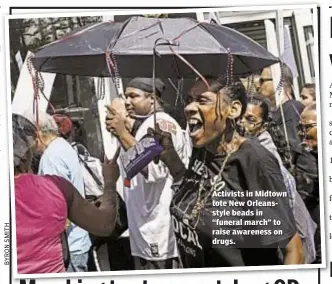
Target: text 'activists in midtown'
224, 160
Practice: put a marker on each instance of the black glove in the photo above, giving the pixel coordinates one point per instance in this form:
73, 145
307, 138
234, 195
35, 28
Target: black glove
168, 156
164, 138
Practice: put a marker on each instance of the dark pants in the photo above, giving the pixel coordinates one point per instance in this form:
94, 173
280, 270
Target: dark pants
112, 256
315, 215
144, 264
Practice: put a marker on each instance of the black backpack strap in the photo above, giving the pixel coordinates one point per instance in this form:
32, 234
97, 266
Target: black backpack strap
96, 179
65, 249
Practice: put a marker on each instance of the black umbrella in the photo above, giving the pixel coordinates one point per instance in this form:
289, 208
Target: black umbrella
131, 45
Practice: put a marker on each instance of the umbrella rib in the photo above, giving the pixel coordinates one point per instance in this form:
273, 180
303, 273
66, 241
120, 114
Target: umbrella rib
186, 31
161, 27
202, 27
116, 38
238, 56
244, 63
235, 31
138, 31
149, 35
176, 65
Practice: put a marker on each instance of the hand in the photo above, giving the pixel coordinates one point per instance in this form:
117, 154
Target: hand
115, 122
98, 201
118, 105
129, 122
111, 170
168, 156
165, 139
67, 225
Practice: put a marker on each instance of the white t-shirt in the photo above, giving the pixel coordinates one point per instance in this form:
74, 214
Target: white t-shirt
148, 200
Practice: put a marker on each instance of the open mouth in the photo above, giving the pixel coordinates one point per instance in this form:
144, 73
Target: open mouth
194, 126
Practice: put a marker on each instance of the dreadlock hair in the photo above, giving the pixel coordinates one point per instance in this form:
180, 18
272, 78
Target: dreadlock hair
274, 130
288, 80
234, 91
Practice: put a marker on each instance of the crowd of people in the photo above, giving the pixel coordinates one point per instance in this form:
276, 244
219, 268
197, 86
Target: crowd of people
237, 139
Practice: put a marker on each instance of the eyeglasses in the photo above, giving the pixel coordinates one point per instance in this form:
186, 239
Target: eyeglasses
263, 80
252, 122
304, 128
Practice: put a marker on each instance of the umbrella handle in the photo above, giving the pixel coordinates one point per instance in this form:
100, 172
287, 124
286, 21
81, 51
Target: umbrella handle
165, 43
156, 53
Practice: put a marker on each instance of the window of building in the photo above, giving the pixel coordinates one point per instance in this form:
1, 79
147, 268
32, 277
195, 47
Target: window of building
309, 41
75, 96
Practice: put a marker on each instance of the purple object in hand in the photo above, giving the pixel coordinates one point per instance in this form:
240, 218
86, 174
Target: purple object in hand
139, 156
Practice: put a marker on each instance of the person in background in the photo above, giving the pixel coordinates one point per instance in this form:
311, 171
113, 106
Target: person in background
101, 255
252, 83
308, 128
59, 158
149, 194
258, 123
91, 166
292, 109
65, 127
266, 87
224, 161
306, 168
66, 130
43, 203
308, 94
306, 161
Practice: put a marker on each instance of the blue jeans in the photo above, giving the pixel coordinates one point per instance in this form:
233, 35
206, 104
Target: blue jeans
78, 262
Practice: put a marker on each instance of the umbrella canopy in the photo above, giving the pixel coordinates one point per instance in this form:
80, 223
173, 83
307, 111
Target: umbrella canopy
205, 46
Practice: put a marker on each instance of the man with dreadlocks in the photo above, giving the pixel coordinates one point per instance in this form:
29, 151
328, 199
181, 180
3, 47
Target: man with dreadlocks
149, 193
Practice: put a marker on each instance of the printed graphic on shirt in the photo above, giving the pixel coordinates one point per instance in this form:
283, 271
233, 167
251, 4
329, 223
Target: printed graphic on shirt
154, 249
207, 197
156, 239
166, 125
